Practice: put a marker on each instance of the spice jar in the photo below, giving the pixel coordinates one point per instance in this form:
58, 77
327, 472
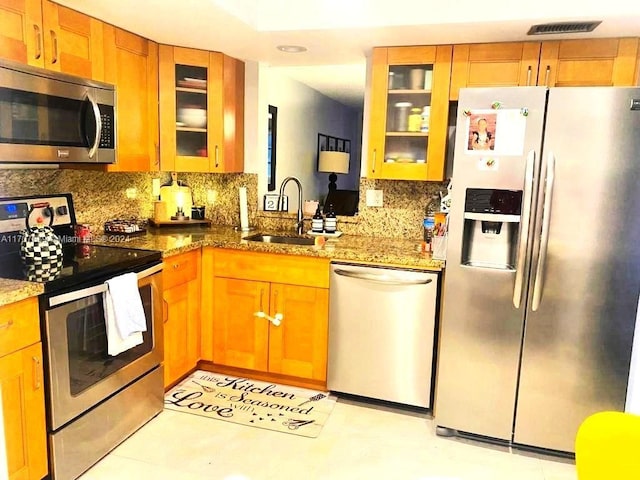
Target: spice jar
415, 119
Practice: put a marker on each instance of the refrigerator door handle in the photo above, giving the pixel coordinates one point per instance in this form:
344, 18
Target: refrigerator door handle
524, 229
538, 285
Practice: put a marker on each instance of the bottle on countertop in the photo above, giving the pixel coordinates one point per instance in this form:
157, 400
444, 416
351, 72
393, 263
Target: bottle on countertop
330, 221
317, 221
429, 222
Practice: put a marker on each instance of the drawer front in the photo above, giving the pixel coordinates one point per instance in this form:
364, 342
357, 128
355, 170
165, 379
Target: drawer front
180, 269
19, 325
271, 267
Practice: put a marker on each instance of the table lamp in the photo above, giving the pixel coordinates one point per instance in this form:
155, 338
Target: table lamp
333, 162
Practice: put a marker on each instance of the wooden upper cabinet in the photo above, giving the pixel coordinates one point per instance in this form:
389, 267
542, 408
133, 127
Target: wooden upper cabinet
592, 62
72, 42
563, 63
201, 111
131, 64
406, 78
494, 65
44, 34
21, 34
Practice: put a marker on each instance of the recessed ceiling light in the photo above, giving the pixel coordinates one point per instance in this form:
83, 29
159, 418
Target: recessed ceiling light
291, 48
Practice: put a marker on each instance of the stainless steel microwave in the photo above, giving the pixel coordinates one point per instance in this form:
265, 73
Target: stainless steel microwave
50, 117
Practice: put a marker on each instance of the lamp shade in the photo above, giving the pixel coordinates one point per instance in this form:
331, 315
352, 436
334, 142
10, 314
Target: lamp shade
333, 162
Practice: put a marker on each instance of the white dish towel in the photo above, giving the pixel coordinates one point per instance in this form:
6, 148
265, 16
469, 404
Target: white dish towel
124, 313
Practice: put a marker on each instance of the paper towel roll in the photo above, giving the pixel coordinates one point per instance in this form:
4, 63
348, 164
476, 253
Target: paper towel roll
244, 212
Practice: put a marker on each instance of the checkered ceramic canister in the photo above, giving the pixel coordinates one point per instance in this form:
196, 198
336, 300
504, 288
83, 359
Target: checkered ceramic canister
40, 245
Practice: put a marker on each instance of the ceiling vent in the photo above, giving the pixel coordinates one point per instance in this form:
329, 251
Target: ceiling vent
563, 27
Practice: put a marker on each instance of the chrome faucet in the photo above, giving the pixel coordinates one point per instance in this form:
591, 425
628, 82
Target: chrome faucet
300, 222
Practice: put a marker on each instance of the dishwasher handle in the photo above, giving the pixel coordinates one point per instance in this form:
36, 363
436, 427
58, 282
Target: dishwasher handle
380, 279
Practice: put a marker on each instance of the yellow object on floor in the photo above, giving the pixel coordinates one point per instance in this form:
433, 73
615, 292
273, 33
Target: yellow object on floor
608, 447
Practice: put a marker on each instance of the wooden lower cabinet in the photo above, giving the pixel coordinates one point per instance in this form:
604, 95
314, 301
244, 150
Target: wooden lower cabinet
298, 347
181, 296
245, 292
240, 338
23, 413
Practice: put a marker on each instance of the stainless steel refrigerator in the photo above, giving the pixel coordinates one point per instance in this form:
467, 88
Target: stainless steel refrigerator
543, 262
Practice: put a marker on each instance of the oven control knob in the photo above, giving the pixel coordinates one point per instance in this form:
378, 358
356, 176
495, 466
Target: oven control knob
62, 210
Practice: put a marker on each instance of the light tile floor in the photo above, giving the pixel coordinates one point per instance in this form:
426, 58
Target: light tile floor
359, 441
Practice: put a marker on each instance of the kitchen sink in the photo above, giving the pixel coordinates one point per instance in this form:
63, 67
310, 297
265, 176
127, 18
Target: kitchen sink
286, 239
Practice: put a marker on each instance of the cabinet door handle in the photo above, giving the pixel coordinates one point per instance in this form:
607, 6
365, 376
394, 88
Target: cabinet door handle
528, 75
6, 324
165, 311
37, 379
275, 320
217, 156
546, 76
38, 34
261, 298
275, 300
54, 43
373, 167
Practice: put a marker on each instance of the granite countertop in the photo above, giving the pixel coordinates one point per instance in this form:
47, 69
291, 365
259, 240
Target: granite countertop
15, 290
173, 240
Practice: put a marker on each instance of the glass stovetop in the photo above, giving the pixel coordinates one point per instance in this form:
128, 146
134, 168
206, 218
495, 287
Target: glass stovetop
81, 264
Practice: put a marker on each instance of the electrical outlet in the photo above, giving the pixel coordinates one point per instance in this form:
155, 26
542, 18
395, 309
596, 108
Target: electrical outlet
212, 196
374, 198
131, 193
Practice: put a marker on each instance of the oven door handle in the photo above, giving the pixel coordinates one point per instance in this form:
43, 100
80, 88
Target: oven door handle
97, 289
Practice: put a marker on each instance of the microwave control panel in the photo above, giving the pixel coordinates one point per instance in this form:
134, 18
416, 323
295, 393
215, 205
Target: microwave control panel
107, 136
55, 210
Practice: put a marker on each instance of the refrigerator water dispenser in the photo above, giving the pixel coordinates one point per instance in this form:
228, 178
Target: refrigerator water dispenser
491, 226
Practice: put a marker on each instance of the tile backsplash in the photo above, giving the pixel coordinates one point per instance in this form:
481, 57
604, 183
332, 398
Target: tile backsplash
101, 196
401, 215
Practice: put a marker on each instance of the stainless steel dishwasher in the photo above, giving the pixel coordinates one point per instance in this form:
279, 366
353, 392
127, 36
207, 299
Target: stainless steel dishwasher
381, 333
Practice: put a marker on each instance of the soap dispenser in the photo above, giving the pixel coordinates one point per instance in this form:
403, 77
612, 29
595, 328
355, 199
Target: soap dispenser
317, 221
330, 221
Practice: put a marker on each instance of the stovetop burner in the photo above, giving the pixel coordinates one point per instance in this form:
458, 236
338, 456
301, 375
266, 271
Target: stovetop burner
81, 263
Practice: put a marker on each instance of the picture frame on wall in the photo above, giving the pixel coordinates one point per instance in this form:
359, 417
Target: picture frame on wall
340, 145
347, 146
331, 144
322, 142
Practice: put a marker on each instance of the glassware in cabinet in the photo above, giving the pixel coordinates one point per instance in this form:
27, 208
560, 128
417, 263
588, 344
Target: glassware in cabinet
409, 112
191, 110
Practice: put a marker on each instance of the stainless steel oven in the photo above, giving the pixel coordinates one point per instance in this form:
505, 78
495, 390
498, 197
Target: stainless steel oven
47, 116
93, 400
97, 400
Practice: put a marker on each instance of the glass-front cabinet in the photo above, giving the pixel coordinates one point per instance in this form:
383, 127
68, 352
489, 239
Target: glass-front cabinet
409, 112
201, 111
